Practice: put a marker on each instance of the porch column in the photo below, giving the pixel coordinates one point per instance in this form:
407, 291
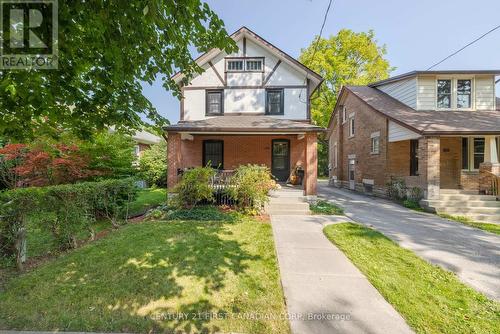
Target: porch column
431, 154
311, 164
490, 165
173, 158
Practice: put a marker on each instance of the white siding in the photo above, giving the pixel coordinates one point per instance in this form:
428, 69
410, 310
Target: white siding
485, 93
398, 133
247, 100
426, 93
403, 90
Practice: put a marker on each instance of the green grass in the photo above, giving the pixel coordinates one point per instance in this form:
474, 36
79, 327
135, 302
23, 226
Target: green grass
490, 227
147, 198
430, 299
136, 278
322, 207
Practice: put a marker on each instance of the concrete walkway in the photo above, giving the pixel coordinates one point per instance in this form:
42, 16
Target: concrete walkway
319, 281
474, 255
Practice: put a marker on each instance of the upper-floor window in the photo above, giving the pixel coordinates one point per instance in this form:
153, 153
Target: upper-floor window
444, 93
351, 126
344, 114
235, 65
274, 102
375, 147
254, 65
464, 92
215, 102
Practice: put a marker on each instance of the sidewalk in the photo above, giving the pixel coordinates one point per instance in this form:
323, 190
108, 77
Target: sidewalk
318, 280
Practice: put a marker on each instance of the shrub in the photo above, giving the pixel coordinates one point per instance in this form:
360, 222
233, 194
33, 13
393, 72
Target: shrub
251, 185
153, 165
194, 187
63, 210
415, 194
396, 189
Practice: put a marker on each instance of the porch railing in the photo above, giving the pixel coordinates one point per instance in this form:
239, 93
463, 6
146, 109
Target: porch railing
495, 184
222, 180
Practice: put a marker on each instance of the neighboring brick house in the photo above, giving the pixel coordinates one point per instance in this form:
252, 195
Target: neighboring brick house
250, 107
143, 141
436, 130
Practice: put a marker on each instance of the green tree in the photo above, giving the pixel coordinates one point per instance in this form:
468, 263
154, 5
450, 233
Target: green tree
153, 164
106, 50
348, 58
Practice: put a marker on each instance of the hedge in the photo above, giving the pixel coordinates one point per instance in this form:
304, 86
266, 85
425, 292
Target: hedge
63, 210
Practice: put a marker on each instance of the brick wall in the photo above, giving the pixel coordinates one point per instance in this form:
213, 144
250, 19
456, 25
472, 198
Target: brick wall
451, 152
238, 150
366, 121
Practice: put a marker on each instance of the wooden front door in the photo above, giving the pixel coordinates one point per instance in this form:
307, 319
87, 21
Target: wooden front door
280, 159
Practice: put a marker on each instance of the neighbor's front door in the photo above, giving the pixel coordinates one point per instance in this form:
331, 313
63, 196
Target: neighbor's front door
280, 159
350, 171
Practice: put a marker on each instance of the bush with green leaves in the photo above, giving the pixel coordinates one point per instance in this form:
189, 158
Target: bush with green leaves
65, 211
153, 165
396, 189
194, 187
250, 186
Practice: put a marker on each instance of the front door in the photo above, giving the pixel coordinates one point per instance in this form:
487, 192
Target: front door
350, 171
280, 159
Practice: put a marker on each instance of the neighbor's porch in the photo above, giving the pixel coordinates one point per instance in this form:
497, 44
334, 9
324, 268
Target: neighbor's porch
281, 153
447, 162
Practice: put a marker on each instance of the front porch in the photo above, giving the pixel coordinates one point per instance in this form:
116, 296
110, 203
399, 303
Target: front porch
282, 153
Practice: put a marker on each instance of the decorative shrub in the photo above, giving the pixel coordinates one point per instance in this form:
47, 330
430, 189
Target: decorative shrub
64, 210
194, 187
153, 165
396, 189
415, 194
250, 187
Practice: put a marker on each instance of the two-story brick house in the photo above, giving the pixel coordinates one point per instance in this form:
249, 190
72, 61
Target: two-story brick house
252, 106
437, 130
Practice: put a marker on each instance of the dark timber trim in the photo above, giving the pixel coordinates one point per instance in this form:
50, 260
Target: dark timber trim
217, 73
246, 87
272, 72
182, 104
308, 106
244, 46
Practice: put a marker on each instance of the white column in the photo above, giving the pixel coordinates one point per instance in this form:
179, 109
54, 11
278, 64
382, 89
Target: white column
490, 150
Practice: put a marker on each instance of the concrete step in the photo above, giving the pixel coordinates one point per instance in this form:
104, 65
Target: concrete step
467, 211
460, 197
458, 191
272, 205
462, 204
287, 200
484, 218
289, 212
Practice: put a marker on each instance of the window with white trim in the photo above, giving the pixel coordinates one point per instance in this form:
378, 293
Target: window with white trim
335, 155
351, 127
235, 65
444, 92
375, 143
472, 152
344, 114
464, 94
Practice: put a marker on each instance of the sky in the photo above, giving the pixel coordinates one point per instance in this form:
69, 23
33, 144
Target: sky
417, 34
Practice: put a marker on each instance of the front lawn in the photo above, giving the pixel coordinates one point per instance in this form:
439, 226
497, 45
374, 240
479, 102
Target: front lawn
430, 299
161, 276
146, 199
490, 227
323, 207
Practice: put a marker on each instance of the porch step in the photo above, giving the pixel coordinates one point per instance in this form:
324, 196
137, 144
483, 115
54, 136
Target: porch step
469, 210
460, 197
289, 212
300, 206
458, 191
286, 201
461, 204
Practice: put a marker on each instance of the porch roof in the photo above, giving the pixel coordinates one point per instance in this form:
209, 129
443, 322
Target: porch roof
429, 122
245, 124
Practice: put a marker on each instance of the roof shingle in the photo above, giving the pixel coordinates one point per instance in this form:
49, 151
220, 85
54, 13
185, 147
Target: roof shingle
429, 121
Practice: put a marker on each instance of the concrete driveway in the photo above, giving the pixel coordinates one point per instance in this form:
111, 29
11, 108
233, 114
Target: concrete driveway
474, 255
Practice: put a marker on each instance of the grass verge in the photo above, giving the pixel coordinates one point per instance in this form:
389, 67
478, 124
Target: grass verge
323, 207
430, 299
142, 276
489, 227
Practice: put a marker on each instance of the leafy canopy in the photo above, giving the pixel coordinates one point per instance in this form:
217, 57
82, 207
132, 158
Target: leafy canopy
106, 49
348, 58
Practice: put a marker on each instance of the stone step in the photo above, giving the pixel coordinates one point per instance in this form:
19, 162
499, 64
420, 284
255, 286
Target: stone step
462, 204
484, 218
460, 197
467, 211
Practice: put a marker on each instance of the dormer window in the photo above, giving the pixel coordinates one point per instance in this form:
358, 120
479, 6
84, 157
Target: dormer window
254, 65
464, 92
235, 65
444, 94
